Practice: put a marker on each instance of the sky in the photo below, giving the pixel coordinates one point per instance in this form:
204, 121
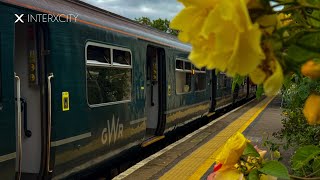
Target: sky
153, 9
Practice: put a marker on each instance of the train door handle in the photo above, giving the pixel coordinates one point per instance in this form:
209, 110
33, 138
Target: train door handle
24, 109
27, 132
19, 146
49, 123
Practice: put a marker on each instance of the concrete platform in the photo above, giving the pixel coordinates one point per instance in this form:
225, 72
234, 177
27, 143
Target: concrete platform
193, 156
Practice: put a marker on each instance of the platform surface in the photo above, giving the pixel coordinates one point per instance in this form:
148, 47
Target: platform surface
193, 156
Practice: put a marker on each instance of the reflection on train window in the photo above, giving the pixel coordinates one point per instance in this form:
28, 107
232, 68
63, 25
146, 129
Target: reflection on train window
121, 57
187, 65
99, 54
109, 79
183, 76
200, 79
179, 64
108, 84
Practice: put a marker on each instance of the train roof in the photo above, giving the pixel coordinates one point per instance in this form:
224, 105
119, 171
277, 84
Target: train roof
94, 16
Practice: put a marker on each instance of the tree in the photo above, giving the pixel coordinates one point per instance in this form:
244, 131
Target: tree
160, 24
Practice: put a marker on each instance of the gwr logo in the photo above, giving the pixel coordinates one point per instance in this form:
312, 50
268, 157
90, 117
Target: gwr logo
113, 131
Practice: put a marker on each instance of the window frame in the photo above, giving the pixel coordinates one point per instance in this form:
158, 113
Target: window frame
93, 63
182, 70
200, 71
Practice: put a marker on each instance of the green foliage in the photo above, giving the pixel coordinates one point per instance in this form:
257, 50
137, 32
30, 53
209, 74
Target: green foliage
306, 161
160, 24
275, 168
259, 91
296, 131
304, 155
250, 151
316, 166
253, 175
237, 80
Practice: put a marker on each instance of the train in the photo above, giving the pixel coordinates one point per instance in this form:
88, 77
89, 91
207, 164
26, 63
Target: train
80, 85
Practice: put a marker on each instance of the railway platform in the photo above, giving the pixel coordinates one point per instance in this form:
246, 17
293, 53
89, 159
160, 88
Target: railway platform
193, 156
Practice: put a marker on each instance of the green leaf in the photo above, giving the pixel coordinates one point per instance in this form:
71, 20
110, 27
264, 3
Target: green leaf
237, 80
310, 41
303, 155
250, 151
300, 55
313, 21
259, 91
275, 168
316, 166
254, 175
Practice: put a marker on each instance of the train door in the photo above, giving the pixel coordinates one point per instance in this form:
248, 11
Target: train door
29, 91
155, 91
7, 102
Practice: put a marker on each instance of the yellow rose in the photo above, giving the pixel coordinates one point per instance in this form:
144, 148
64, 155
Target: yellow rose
311, 109
231, 43
227, 174
284, 19
232, 150
190, 20
267, 177
311, 69
274, 82
257, 76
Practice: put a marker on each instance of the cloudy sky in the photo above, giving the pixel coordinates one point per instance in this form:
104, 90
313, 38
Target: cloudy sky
153, 9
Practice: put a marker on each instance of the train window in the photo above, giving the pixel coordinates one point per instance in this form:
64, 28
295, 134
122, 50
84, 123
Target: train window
99, 54
200, 79
183, 76
108, 84
110, 81
187, 65
183, 82
179, 64
121, 57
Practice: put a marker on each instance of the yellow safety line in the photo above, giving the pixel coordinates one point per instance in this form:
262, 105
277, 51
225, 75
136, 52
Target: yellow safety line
198, 162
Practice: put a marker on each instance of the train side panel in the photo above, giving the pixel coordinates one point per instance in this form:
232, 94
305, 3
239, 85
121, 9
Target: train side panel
86, 133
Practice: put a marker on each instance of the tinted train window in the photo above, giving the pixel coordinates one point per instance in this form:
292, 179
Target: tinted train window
179, 64
183, 76
109, 82
200, 79
187, 66
121, 57
99, 54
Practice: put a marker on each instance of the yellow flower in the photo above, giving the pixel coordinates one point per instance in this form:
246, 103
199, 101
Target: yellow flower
284, 19
227, 174
267, 177
274, 82
255, 4
190, 20
268, 23
257, 76
311, 109
311, 69
224, 28
237, 47
232, 150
